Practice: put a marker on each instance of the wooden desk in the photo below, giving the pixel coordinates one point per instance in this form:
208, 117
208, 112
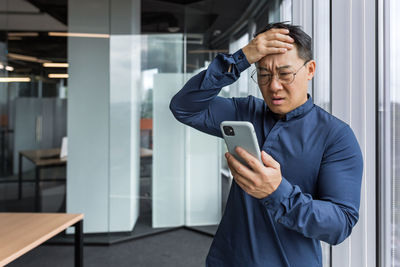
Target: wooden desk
43, 158
21, 232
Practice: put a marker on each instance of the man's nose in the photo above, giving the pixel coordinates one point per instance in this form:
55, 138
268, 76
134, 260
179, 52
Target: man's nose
275, 84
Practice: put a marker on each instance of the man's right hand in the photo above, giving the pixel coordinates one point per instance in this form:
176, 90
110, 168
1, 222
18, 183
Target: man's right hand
273, 41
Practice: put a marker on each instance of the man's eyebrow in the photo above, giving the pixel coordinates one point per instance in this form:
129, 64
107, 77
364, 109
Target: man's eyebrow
278, 68
283, 67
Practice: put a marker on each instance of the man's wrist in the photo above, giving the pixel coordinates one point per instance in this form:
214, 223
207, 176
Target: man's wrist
240, 60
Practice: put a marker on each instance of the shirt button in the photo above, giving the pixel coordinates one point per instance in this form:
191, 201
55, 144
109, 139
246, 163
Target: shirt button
266, 203
280, 221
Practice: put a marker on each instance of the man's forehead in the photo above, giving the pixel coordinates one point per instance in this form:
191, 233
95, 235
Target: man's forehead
267, 68
278, 61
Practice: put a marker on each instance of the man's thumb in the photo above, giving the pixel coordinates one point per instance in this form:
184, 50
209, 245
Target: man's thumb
269, 161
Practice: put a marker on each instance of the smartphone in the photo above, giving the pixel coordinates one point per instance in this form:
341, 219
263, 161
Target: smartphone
240, 133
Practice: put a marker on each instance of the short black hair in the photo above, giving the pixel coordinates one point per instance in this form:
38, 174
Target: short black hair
302, 40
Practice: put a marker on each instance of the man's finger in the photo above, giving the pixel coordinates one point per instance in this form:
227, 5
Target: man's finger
274, 50
242, 185
240, 180
238, 167
278, 30
279, 44
279, 36
269, 161
252, 161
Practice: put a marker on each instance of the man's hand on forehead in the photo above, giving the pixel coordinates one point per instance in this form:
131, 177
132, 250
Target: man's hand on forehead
273, 41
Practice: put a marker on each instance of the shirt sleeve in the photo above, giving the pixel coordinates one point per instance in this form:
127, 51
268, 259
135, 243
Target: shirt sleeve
198, 105
332, 216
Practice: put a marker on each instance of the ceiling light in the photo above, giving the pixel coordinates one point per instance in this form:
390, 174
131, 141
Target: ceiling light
23, 34
14, 79
77, 34
55, 65
9, 68
58, 75
14, 38
1, 67
26, 58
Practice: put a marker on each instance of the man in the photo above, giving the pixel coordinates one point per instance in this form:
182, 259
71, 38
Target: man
308, 187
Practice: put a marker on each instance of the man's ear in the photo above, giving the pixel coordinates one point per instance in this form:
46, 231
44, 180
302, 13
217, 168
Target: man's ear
310, 69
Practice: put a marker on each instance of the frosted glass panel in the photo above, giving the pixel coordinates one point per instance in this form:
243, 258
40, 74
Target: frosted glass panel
124, 131
186, 167
203, 185
168, 154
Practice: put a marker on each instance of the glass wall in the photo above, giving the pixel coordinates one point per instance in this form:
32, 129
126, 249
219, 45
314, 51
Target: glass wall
33, 108
391, 138
389, 135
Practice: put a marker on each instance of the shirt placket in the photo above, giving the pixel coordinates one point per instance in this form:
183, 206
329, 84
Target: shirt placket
273, 137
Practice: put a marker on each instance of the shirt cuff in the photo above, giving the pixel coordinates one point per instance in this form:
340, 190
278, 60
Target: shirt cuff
275, 201
240, 60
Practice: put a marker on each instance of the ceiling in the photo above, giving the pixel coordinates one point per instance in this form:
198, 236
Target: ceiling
206, 17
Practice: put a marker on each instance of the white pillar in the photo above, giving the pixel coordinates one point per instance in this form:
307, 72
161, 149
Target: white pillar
103, 121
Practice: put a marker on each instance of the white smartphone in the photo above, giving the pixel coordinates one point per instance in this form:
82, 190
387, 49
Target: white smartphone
240, 133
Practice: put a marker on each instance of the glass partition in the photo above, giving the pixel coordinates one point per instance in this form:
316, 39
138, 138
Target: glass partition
33, 108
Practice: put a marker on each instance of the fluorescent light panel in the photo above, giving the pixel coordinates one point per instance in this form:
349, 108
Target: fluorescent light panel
14, 79
14, 38
55, 65
77, 34
23, 34
26, 58
58, 75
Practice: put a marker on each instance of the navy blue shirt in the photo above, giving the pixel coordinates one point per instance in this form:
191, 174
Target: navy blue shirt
321, 165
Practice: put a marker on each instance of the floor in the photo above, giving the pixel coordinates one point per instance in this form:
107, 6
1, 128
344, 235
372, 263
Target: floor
145, 246
179, 248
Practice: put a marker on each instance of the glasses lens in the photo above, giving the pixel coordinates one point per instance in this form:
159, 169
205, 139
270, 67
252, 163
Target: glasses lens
286, 77
264, 78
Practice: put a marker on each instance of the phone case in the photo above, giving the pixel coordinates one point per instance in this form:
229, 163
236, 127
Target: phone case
244, 136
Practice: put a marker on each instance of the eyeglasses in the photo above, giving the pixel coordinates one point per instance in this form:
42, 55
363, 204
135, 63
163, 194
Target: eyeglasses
284, 76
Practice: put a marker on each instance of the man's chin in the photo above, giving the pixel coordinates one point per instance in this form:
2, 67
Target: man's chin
277, 110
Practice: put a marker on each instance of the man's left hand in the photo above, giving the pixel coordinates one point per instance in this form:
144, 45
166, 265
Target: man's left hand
260, 180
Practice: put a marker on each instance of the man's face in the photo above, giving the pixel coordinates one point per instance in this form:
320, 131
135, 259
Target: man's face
282, 98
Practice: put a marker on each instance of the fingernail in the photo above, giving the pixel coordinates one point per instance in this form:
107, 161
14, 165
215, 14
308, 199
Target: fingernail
226, 155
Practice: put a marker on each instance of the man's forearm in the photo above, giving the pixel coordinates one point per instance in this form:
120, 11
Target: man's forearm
203, 88
322, 220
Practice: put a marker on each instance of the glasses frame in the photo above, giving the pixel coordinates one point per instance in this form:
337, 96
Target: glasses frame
276, 74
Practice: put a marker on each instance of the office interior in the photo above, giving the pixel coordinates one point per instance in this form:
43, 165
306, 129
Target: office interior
86, 128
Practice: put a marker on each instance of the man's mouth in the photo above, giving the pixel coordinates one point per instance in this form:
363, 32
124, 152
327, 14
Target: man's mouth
277, 100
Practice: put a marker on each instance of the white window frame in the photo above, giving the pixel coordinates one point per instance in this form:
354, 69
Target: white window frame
312, 16
353, 100
353, 56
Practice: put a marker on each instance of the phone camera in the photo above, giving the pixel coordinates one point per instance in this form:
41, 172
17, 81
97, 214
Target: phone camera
228, 130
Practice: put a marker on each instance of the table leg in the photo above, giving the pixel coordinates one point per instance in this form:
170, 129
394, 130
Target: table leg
37, 190
3, 153
20, 176
79, 244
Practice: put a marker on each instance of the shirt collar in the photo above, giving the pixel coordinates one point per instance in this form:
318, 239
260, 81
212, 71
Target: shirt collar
299, 111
